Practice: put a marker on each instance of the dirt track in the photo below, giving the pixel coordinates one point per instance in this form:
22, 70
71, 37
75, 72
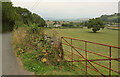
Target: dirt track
10, 64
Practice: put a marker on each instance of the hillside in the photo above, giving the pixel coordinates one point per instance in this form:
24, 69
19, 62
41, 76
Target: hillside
17, 16
111, 18
67, 19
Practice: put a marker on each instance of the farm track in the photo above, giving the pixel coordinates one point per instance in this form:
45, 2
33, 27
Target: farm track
10, 63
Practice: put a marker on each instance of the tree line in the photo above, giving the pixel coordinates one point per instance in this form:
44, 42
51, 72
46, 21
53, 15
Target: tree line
17, 16
111, 18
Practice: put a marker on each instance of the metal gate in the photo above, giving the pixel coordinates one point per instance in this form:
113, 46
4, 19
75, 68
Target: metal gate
76, 51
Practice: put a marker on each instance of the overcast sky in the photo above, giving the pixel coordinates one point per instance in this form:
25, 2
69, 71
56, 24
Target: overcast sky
69, 8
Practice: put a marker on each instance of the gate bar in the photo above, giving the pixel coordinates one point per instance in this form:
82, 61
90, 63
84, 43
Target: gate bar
93, 42
116, 59
89, 61
88, 51
92, 62
84, 58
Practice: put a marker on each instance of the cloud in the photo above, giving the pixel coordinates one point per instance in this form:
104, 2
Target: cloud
67, 0
70, 9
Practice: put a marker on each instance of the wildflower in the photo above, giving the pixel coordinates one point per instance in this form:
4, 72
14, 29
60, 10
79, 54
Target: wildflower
58, 59
56, 46
43, 50
45, 53
19, 48
44, 60
60, 67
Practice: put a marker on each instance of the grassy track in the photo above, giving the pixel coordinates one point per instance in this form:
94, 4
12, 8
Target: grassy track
105, 36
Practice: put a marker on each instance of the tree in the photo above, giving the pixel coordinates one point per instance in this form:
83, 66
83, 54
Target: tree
85, 23
55, 22
104, 18
58, 22
67, 25
17, 16
29, 18
8, 16
71, 23
95, 24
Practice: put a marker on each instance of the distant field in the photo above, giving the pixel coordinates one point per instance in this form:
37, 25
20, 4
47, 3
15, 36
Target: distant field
105, 36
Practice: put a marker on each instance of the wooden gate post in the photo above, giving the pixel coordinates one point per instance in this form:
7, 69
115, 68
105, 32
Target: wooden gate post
61, 48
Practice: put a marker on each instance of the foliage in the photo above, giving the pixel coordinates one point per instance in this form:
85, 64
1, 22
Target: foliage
32, 64
36, 50
95, 24
8, 15
110, 18
67, 25
17, 16
55, 22
28, 18
75, 24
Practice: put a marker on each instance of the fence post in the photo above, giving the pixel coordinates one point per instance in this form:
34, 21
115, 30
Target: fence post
72, 52
110, 61
86, 55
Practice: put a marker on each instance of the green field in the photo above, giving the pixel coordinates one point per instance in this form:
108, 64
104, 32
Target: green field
105, 36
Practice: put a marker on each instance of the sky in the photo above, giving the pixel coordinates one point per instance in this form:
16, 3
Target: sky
69, 8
